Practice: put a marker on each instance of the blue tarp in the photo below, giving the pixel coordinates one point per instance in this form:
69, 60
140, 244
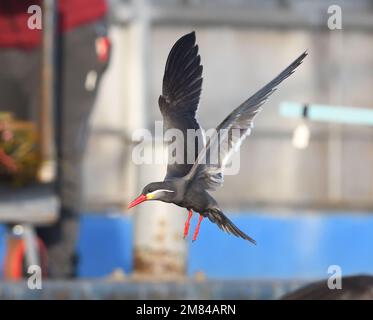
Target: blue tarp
292, 246
289, 246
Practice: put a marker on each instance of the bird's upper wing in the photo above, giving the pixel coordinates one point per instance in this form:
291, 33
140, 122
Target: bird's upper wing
209, 166
182, 83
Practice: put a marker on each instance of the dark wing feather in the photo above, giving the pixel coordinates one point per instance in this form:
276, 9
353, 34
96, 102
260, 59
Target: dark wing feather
209, 167
217, 216
182, 83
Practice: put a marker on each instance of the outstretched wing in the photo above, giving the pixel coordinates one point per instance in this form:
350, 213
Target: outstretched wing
209, 166
182, 83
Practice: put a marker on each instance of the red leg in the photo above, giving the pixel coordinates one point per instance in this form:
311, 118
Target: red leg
197, 228
187, 223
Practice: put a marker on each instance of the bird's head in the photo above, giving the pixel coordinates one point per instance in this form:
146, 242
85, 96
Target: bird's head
161, 191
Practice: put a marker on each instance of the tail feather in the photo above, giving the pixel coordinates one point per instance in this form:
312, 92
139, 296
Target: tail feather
218, 217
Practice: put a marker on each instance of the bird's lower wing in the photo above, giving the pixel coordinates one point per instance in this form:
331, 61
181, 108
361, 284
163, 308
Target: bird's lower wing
211, 161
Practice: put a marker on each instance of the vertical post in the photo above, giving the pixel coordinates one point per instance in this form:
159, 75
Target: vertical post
160, 250
139, 53
31, 244
47, 171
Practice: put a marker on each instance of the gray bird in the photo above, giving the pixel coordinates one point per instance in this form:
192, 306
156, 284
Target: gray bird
187, 184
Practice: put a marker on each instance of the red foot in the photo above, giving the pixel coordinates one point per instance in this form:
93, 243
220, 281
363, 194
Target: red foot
197, 228
187, 223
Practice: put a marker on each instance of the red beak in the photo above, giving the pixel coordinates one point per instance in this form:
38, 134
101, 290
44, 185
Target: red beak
137, 201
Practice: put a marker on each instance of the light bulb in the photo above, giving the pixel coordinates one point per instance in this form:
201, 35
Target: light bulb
301, 136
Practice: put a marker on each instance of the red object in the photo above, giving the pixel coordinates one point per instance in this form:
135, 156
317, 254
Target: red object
197, 228
187, 223
7, 161
137, 201
103, 48
13, 262
15, 32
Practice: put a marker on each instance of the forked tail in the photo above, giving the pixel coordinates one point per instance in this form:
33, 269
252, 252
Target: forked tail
217, 216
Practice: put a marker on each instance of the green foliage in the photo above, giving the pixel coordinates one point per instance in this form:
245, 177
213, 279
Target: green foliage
19, 151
